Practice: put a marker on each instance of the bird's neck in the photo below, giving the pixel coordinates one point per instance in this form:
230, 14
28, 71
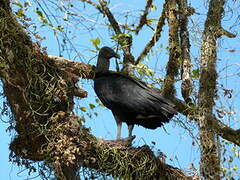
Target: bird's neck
102, 65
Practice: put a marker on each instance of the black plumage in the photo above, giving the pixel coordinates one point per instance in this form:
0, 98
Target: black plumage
130, 100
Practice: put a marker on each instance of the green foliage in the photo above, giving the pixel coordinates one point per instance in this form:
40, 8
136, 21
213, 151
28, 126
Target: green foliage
151, 20
21, 9
144, 70
91, 110
96, 42
229, 160
195, 73
92, 106
42, 18
84, 109
123, 39
153, 7
59, 28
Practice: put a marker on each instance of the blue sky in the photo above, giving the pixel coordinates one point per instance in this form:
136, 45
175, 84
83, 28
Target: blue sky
175, 142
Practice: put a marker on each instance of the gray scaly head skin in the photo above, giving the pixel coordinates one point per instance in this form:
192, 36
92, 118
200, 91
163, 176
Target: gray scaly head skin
105, 54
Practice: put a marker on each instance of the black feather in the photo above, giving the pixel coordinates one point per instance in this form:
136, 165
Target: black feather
133, 100
130, 100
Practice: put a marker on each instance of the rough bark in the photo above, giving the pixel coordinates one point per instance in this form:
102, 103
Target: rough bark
172, 68
210, 162
187, 85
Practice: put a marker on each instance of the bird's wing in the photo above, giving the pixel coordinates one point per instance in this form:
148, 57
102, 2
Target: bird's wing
121, 91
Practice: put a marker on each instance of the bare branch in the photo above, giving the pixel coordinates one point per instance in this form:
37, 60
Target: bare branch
97, 6
143, 18
156, 35
124, 41
226, 33
110, 17
217, 126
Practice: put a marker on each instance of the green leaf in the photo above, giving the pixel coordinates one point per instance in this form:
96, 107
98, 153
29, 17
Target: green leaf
17, 3
150, 20
59, 28
121, 35
96, 42
153, 7
84, 109
196, 74
92, 106
20, 13
27, 4
39, 13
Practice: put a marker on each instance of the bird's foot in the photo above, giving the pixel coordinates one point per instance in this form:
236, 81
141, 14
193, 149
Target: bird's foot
126, 141
122, 143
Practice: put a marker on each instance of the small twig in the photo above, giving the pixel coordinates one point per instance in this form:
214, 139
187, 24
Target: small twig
97, 6
226, 33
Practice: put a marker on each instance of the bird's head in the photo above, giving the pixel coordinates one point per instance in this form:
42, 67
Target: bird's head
107, 53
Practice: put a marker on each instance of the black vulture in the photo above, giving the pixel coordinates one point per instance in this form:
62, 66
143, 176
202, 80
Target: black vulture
130, 100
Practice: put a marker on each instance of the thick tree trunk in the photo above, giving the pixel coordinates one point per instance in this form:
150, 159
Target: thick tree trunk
186, 69
210, 161
172, 68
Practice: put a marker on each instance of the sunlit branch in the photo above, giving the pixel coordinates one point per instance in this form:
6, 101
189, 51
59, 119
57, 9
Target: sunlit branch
210, 161
143, 18
156, 35
186, 86
172, 67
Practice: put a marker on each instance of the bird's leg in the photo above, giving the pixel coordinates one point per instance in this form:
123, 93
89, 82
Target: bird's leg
130, 129
119, 129
119, 124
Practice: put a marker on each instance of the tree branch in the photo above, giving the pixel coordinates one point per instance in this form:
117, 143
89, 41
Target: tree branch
174, 50
210, 161
80, 70
143, 18
191, 111
186, 86
110, 17
156, 35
